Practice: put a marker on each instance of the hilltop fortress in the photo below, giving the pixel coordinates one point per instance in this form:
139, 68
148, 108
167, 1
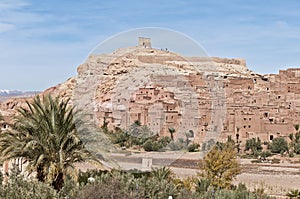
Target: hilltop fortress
210, 97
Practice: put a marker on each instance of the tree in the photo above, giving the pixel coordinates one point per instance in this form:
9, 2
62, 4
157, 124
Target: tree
220, 165
278, 145
172, 131
163, 173
45, 135
293, 193
254, 145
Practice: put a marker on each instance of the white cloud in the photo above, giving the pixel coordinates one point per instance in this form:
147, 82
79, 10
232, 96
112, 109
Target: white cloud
12, 4
5, 27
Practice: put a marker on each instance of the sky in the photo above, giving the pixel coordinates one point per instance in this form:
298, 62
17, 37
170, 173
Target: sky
43, 42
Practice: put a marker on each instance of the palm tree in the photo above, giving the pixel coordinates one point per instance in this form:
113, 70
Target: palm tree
163, 173
172, 131
293, 193
45, 135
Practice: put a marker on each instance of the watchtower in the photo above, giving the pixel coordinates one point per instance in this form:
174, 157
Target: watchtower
144, 42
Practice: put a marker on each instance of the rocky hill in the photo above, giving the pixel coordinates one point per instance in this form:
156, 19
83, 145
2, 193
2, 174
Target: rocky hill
210, 97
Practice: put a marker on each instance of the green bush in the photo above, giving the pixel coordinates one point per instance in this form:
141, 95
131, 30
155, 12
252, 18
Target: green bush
275, 161
278, 145
254, 145
176, 146
193, 147
19, 188
297, 148
159, 183
150, 145
164, 140
265, 154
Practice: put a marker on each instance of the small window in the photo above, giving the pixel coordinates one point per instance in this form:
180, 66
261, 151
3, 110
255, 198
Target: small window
249, 126
271, 119
271, 137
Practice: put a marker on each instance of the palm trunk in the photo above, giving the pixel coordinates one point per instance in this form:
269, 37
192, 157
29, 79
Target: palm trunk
40, 174
58, 182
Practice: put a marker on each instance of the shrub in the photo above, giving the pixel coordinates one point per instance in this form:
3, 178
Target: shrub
176, 146
164, 140
297, 148
254, 145
294, 193
275, 161
19, 187
265, 154
202, 185
193, 147
150, 145
278, 145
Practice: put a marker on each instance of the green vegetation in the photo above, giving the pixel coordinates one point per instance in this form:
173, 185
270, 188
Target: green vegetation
159, 183
293, 194
45, 135
20, 188
193, 147
172, 131
294, 146
278, 145
156, 145
254, 145
139, 136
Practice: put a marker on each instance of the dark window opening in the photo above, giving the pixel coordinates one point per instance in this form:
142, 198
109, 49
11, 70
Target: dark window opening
271, 119
271, 137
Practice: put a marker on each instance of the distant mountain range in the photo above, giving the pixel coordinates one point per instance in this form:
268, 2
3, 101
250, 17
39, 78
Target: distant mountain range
6, 94
11, 93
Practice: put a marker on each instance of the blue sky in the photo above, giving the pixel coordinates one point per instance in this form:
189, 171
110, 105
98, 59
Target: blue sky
43, 42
